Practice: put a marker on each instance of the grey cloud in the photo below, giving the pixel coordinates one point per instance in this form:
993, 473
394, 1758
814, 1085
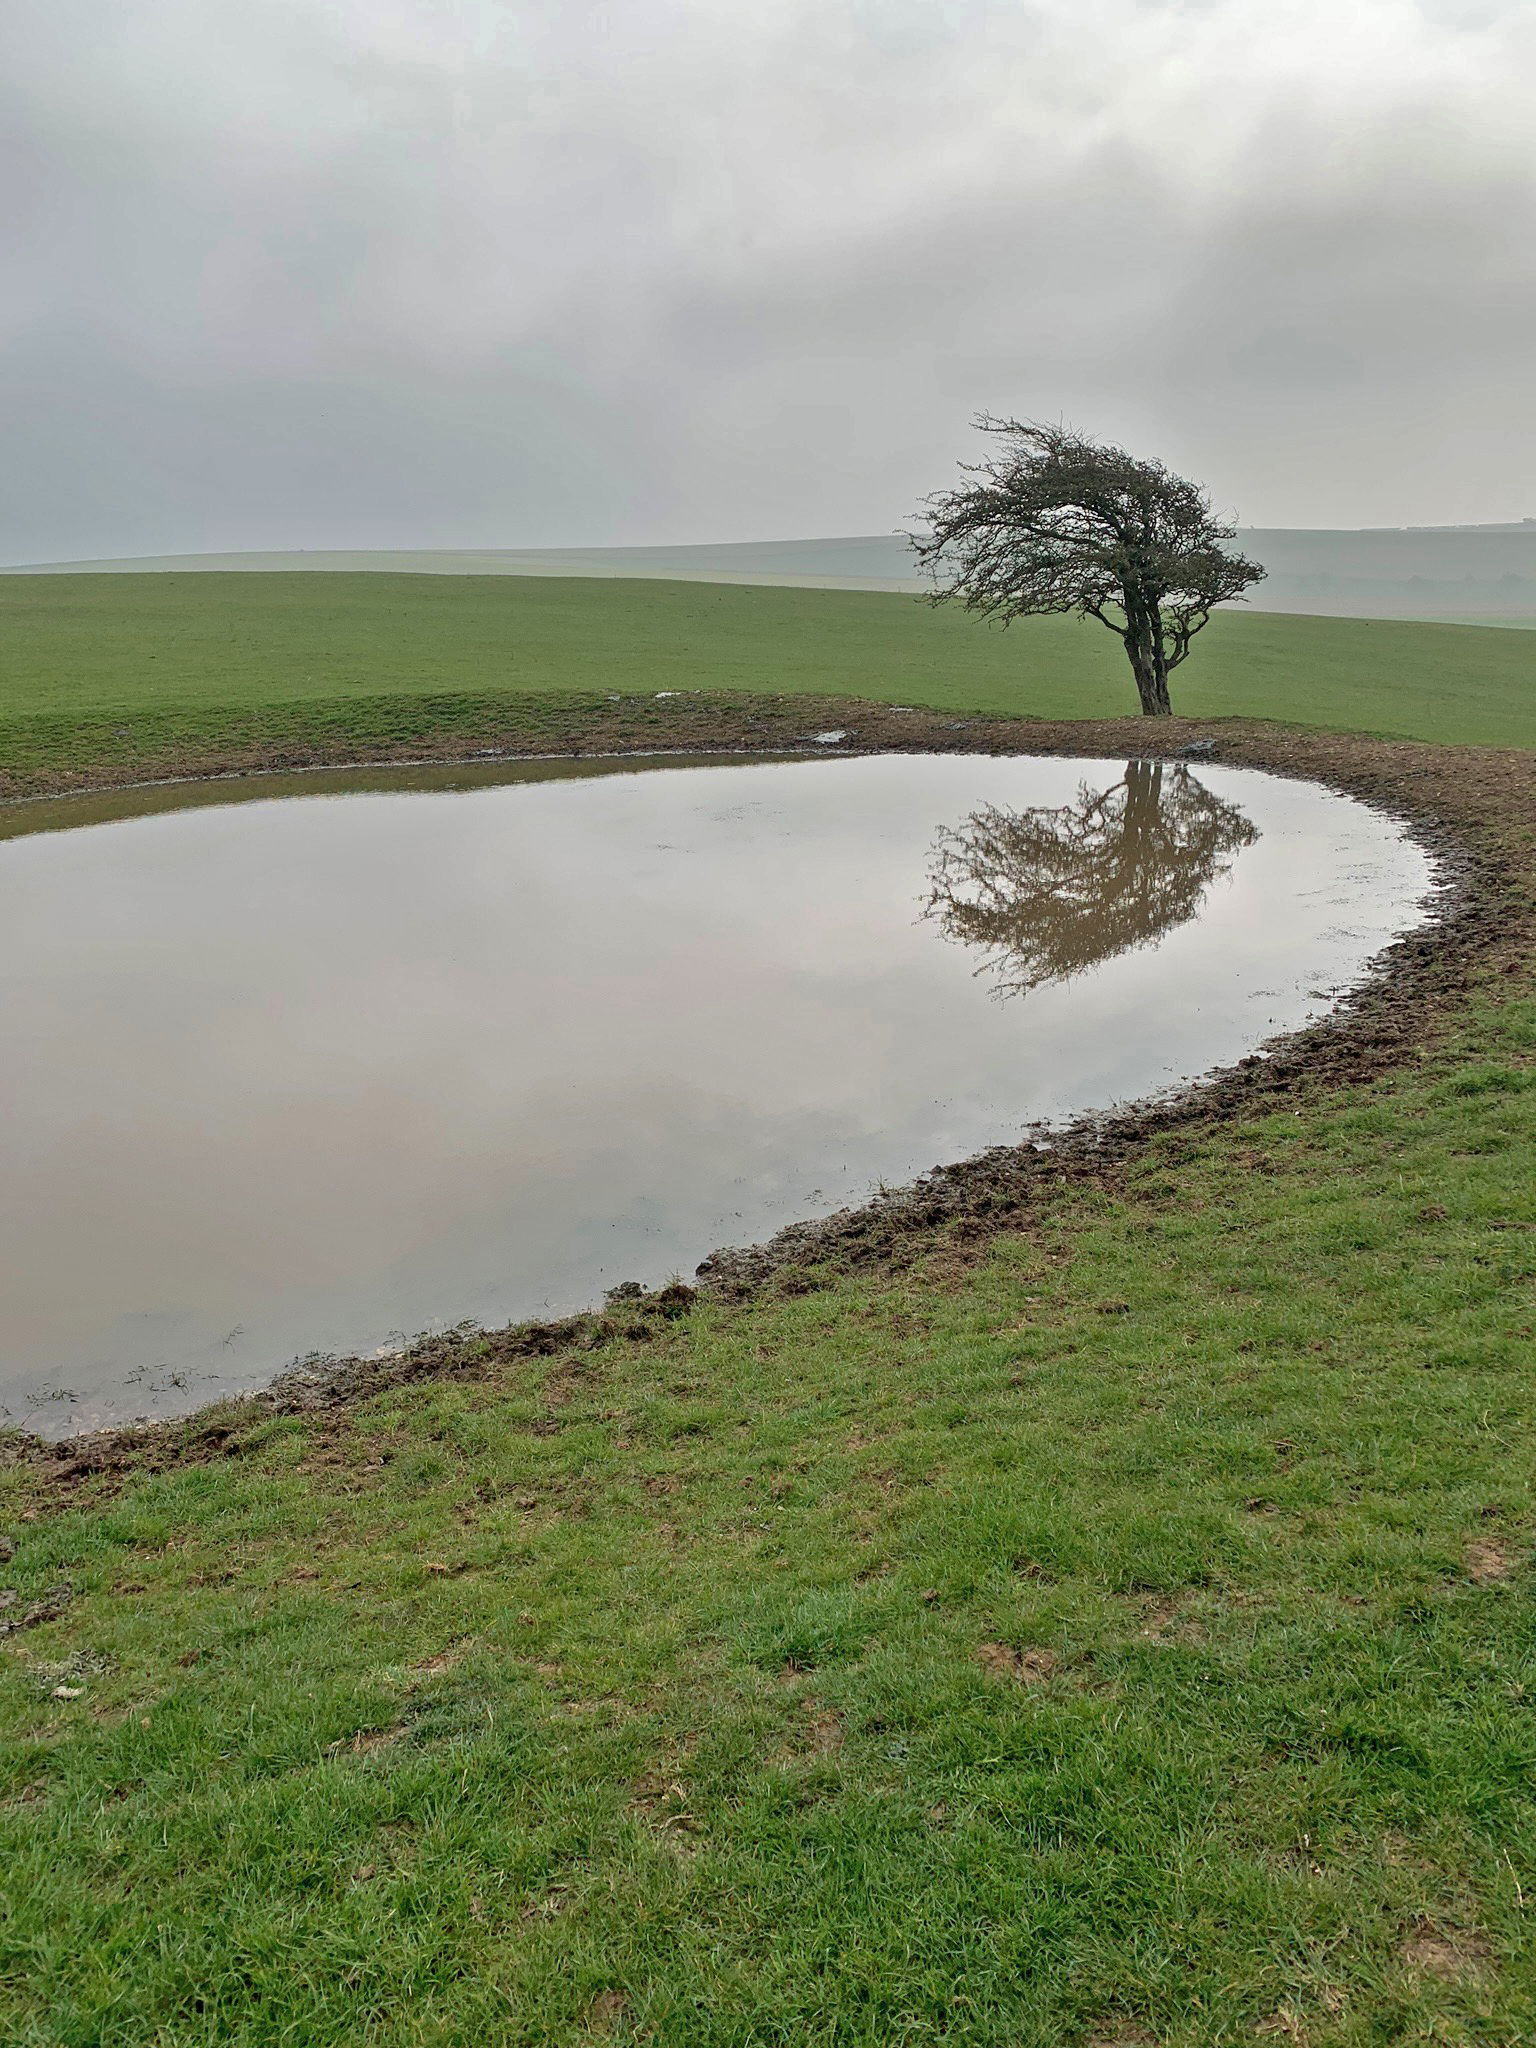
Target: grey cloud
383, 272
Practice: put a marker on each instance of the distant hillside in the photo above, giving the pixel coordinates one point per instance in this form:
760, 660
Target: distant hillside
861, 562
1414, 572
1475, 573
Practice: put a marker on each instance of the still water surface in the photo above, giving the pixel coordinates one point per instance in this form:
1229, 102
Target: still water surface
285, 1074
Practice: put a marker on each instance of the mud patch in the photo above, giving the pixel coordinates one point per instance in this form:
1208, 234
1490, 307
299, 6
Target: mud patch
1487, 1563
16, 1615
1171, 1621
1450, 1954
367, 1740
821, 1733
1029, 1667
606, 2011
445, 1660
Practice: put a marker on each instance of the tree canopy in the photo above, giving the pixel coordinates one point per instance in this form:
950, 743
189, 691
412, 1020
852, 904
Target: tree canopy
1055, 522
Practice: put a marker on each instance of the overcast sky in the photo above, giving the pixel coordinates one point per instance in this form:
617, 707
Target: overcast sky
395, 273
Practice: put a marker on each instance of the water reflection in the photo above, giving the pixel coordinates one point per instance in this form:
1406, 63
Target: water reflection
293, 1075
1051, 892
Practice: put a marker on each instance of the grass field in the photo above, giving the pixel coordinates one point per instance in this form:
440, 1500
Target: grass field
1122, 1634
182, 659
1127, 1639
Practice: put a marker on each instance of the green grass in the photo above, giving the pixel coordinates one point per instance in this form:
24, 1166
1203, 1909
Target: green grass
649, 1695
196, 651
1125, 1638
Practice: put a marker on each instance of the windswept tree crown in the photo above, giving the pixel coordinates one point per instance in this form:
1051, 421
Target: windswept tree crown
1055, 891
1055, 522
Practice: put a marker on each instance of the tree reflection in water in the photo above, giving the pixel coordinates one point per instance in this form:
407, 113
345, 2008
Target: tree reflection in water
1053, 892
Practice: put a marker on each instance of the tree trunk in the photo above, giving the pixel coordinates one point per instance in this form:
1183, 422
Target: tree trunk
1151, 681
1148, 656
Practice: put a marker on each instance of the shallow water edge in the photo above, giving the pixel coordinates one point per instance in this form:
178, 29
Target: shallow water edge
1469, 806
290, 1077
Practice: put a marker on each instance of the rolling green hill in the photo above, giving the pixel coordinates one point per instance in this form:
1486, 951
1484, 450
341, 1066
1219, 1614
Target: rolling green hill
1473, 574
203, 646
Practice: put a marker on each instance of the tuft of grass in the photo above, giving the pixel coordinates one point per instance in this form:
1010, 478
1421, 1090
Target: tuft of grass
1127, 1636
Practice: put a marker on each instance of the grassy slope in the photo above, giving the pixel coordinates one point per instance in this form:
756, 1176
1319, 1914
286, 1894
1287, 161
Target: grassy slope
1126, 1638
186, 652
651, 1694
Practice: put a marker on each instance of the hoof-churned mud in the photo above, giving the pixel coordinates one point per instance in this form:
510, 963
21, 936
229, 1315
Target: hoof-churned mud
1474, 808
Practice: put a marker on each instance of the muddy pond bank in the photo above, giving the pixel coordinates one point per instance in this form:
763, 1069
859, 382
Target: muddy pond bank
1472, 806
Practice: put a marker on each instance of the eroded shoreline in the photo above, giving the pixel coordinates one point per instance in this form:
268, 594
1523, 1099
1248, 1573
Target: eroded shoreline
1471, 808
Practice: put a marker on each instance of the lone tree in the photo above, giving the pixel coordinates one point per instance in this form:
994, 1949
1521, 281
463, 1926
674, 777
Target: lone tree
1054, 522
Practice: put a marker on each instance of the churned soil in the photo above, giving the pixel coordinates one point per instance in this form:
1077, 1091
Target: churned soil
1474, 808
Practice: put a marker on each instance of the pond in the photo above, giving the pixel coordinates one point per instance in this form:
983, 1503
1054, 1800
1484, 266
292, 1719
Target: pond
315, 1065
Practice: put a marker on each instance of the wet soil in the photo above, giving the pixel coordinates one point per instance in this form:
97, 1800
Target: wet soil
1473, 807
